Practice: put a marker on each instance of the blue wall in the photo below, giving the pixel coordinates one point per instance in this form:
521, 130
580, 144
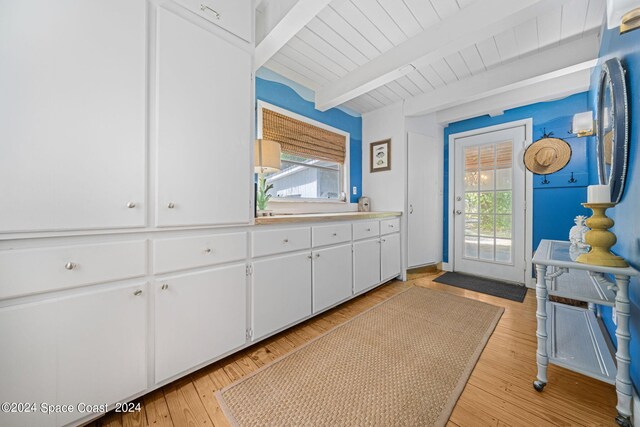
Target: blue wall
284, 96
627, 213
556, 204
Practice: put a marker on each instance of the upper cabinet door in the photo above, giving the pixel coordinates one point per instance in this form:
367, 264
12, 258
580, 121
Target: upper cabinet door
232, 15
203, 121
72, 114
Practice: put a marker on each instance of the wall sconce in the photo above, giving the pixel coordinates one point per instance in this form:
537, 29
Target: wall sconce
583, 124
624, 14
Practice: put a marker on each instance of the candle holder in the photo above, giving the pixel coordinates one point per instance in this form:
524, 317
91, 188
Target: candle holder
600, 238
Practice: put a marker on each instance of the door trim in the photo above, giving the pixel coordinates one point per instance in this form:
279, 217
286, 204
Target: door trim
528, 250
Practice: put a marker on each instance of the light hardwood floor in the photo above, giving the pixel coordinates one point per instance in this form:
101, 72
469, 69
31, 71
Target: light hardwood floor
499, 392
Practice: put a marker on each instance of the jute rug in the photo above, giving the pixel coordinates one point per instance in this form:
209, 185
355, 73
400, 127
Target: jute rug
403, 362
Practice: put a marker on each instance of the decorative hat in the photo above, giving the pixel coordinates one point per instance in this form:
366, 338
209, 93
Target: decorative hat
547, 155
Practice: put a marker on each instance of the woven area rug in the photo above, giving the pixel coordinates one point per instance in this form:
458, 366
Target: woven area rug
403, 362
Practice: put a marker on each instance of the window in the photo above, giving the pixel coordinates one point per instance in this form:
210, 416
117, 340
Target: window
306, 178
313, 156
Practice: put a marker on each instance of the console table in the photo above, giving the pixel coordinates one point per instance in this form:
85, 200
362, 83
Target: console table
573, 337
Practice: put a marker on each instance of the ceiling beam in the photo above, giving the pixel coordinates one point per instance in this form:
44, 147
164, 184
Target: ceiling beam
547, 90
476, 22
579, 54
300, 14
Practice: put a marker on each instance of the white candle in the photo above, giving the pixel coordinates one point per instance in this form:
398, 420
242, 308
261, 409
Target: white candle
598, 194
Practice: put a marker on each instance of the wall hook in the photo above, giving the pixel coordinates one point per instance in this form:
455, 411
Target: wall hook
572, 180
545, 181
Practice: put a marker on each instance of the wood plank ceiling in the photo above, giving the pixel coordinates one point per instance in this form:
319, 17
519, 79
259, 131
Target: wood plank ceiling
347, 34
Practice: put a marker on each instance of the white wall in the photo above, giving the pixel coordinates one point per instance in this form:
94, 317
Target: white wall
388, 189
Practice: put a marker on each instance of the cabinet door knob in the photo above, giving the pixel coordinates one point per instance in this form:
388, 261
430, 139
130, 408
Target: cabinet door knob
317, 255
70, 265
171, 205
164, 287
383, 240
131, 205
309, 256
138, 292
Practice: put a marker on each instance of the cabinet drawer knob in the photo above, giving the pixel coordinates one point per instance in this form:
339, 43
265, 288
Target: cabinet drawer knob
368, 229
204, 7
285, 241
138, 292
70, 265
335, 234
171, 205
164, 287
390, 225
207, 251
131, 205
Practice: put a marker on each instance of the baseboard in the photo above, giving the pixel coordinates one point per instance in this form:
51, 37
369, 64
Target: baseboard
635, 405
446, 267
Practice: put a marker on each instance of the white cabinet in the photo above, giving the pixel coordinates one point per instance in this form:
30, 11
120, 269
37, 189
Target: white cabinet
234, 16
198, 317
203, 122
332, 276
390, 256
281, 292
73, 108
90, 347
366, 264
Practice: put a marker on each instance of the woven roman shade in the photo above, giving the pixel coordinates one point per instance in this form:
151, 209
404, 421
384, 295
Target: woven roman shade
302, 139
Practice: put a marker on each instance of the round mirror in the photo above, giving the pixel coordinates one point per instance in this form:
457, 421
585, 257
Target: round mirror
612, 129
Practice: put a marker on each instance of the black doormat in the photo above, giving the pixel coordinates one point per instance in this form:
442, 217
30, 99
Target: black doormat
486, 286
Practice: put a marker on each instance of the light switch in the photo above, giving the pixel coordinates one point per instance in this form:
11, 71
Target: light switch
355, 190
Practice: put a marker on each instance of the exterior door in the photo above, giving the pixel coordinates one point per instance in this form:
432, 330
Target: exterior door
424, 217
489, 205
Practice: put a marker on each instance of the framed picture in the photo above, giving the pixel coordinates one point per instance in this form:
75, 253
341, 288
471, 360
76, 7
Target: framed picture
380, 156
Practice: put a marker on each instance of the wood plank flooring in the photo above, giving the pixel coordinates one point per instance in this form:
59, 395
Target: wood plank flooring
499, 391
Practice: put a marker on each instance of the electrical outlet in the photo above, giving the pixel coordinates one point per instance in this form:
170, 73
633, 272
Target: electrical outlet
355, 190
613, 316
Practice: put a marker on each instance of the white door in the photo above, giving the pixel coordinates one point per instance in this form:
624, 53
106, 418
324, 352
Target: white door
199, 316
366, 264
390, 256
489, 205
102, 346
332, 276
90, 348
425, 200
203, 113
281, 292
73, 114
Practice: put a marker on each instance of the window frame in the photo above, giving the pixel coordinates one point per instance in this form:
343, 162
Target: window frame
344, 168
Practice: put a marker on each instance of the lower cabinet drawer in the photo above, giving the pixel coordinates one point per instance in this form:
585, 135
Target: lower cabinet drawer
389, 226
366, 229
29, 271
198, 317
271, 242
324, 235
281, 292
190, 252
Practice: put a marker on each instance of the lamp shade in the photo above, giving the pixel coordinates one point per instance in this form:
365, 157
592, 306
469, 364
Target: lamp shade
266, 156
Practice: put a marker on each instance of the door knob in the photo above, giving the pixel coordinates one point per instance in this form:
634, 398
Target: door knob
458, 212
